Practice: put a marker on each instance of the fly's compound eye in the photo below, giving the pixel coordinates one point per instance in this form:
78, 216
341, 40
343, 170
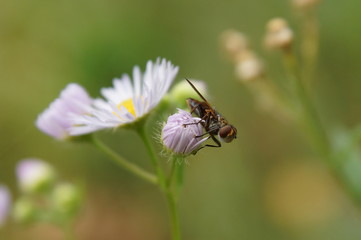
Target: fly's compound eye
227, 133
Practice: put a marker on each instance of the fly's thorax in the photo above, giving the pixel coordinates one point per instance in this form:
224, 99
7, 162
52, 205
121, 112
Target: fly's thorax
222, 121
215, 123
214, 127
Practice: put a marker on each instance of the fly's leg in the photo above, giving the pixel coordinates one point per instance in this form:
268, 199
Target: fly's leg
194, 123
200, 121
194, 108
209, 145
216, 141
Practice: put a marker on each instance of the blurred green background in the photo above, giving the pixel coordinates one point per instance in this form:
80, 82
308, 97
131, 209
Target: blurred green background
265, 185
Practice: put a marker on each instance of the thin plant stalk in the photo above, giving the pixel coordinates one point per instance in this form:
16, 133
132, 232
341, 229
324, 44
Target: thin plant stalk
172, 172
164, 184
310, 44
122, 162
317, 132
173, 210
158, 180
171, 195
154, 159
175, 177
307, 110
269, 98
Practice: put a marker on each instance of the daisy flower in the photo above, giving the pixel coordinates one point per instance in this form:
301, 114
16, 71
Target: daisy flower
56, 119
128, 100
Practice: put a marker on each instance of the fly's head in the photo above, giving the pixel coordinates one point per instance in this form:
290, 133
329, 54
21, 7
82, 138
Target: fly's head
227, 133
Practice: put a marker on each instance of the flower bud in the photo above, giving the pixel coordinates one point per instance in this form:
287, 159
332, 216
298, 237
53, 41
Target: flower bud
5, 203
66, 199
182, 91
279, 35
179, 135
24, 211
34, 175
303, 5
234, 42
249, 67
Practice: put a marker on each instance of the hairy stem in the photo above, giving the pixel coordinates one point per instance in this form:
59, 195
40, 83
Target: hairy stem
164, 184
173, 210
172, 172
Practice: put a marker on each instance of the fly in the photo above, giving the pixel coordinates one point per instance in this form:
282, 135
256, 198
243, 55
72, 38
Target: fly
213, 122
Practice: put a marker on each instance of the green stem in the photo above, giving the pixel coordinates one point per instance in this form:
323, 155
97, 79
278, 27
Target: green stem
310, 44
172, 171
137, 171
175, 178
308, 112
154, 159
270, 98
165, 185
172, 205
318, 134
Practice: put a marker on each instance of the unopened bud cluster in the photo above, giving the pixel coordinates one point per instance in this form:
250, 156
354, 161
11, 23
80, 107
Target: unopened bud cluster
38, 182
250, 69
24, 210
233, 43
247, 65
278, 34
66, 199
34, 176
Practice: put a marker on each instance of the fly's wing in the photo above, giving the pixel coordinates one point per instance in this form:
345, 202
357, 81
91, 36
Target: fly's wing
199, 94
196, 107
206, 107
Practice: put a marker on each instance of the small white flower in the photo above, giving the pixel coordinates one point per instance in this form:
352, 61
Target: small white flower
179, 134
34, 175
55, 120
127, 101
5, 203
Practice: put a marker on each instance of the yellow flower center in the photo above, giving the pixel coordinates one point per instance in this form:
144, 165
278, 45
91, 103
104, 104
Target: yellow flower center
127, 104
